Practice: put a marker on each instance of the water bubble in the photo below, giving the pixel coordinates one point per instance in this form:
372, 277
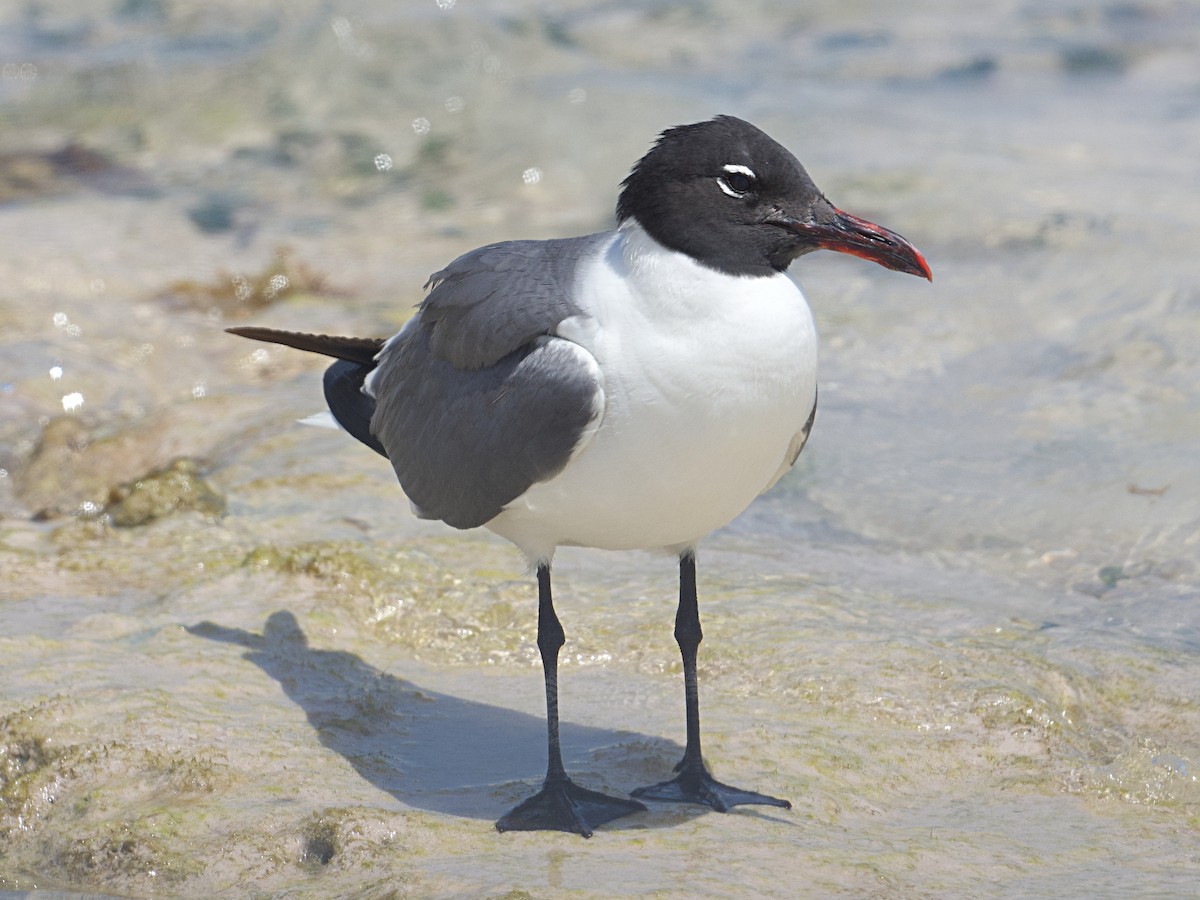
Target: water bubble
445, 4
532, 175
577, 95
72, 402
383, 162
455, 104
56, 372
199, 390
61, 320
420, 125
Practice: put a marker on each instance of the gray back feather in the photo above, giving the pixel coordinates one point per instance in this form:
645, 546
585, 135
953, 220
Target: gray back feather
493, 300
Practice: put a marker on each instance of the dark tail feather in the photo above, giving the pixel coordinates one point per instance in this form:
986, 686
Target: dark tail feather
357, 350
343, 380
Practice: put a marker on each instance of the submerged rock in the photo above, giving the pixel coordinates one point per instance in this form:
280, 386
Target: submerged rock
28, 779
27, 175
77, 460
239, 295
172, 489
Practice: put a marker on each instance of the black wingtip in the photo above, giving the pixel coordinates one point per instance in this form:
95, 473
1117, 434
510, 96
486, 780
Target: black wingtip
357, 350
353, 407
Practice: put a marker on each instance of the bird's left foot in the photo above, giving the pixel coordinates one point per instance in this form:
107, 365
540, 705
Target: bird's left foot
694, 784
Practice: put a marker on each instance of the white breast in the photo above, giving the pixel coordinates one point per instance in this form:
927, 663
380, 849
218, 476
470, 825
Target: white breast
707, 379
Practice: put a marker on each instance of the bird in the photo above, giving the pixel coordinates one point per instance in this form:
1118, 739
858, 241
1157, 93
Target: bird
636, 388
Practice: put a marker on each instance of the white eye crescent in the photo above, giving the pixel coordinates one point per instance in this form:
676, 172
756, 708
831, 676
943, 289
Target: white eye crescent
738, 180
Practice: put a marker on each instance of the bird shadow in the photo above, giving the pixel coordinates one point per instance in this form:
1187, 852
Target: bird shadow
429, 750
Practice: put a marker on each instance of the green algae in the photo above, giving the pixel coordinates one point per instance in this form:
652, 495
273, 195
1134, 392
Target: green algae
174, 488
334, 839
322, 841
31, 768
123, 854
412, 600
284, 276
103, 814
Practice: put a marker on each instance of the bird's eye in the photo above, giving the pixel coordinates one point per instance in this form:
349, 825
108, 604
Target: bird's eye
738, 181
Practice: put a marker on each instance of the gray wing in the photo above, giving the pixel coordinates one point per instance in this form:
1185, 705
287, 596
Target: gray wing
801, 437
491, 301
476, 400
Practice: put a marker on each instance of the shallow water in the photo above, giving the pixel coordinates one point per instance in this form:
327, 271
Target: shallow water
961, 635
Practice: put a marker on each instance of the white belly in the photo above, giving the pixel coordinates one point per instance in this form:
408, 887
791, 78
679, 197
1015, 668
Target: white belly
708, 378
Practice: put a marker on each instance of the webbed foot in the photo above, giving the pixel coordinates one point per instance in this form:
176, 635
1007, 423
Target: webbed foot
562, 805
694, 784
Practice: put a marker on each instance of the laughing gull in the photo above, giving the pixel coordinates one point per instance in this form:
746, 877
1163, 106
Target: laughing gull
636, 388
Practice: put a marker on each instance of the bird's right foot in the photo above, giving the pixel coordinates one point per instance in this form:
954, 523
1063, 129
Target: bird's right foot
694, 784
562, 805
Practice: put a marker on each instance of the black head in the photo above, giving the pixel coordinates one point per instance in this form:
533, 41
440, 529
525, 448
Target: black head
733, 199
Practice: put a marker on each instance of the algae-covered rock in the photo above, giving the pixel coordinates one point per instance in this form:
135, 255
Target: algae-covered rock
174, 488
77, 460
47, 480
88, 810
242, 294
33, 174
27, 775
35, 769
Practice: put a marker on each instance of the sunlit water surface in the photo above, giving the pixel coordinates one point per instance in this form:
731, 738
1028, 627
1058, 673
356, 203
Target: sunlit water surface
961, 635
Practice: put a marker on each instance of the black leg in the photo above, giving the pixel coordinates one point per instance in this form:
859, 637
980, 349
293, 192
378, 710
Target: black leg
694, 784
561, 805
